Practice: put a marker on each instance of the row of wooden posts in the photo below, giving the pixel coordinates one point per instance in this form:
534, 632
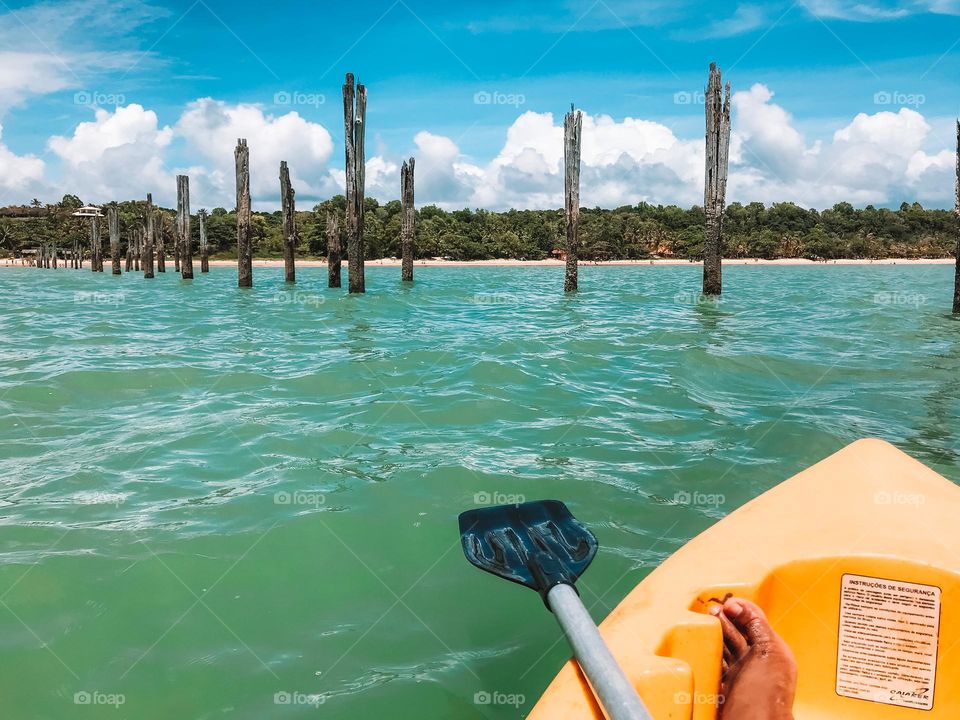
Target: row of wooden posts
146, 241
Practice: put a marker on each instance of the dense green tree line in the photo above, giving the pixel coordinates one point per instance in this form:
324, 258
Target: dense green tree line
782, 230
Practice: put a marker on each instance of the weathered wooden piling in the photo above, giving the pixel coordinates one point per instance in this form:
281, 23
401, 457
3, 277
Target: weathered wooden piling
148, 239
161, 242
96, 249
956, 277
204, 250
54, 256
333, 251
113, 227
137, 249
244, 250
183, 226
131, 240
176, 243
572, 131
354, 125
715, 180
408, 221
289, 223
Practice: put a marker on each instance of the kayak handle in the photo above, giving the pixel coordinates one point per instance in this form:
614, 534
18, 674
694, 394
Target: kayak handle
617, 695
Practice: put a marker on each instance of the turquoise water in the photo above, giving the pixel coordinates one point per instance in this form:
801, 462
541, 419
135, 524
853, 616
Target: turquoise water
211, 496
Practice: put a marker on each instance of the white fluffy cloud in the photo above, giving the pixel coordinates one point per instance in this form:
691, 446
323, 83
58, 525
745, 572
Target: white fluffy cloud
119, 154
879, 159
20, 175
211, 129
883, 158
622, 163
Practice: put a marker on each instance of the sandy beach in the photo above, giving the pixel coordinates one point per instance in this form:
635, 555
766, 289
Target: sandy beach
436, 262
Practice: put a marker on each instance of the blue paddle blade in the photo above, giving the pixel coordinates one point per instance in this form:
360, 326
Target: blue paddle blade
538, 544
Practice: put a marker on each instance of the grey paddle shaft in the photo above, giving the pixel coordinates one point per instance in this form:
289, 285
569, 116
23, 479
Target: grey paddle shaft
616, 694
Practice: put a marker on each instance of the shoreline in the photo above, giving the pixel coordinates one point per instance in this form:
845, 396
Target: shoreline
392, 262
435, 262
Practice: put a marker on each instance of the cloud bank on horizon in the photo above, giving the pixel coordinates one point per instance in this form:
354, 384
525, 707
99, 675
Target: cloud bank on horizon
110, 148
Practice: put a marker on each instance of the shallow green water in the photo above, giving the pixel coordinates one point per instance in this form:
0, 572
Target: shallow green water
211, 496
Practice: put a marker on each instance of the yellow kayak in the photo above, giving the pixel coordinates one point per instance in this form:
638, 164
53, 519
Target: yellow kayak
856, 562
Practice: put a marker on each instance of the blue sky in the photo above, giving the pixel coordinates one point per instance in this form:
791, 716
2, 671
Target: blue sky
469, 86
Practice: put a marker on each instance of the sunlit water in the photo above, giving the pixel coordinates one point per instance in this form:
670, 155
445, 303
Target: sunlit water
211, 496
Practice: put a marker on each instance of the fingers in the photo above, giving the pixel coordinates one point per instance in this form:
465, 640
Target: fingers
749, 619
735, 645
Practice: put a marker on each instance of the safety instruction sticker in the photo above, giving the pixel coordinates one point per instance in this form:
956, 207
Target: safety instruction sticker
887, 650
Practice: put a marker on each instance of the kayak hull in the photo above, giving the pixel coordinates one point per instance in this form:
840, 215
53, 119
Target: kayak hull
856, 562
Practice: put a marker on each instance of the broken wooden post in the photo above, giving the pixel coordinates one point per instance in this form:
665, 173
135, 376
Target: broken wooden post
183, 226
137, 249
408, 221
354, 121
289, 223
333, 251
161, 242
177, 249
95, 248
130, 243
715, 181
244, 250
148, 239
572, 126
204, 252
956, 278
113, 227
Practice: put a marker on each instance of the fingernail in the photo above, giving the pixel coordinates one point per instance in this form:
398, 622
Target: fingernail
714, 610
733, 608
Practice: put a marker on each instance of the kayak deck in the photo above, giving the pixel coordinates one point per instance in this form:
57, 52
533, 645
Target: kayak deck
856, 562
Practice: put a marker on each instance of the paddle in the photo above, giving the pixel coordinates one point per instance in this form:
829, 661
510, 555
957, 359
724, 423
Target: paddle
543, 546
